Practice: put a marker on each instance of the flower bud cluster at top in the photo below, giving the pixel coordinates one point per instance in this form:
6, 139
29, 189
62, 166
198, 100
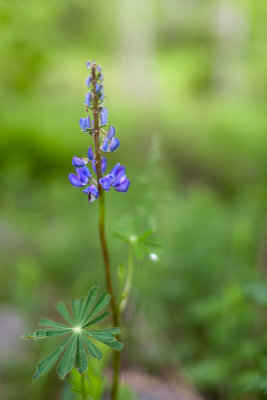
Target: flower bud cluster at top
104, 142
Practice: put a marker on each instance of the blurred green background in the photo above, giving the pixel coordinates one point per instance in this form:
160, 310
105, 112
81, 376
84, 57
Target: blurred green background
185, 84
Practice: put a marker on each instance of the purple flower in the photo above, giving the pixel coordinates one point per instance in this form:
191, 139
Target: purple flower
113, 144
98, 88
122, 185
105, 145
106, 182
118, 171
87, 100
92, 193
111, 132
85, 124
88, 81
116, 178
78, 162
103, 116
82, 177
110, 143
90, 154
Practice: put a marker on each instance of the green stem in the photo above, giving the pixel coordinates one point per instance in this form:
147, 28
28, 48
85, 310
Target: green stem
128, 282
98, 158
83, 394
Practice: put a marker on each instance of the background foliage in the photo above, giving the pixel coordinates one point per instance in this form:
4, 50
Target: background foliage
186, 89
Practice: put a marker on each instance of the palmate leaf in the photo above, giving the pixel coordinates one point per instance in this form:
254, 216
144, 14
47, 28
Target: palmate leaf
80, 340
138, 233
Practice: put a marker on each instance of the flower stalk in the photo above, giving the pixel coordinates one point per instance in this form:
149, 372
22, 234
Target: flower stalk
102, 234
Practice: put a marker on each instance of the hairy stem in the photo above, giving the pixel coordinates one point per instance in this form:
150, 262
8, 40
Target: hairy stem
102, 234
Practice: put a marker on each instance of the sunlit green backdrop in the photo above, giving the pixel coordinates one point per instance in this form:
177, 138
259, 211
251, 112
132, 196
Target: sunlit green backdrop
185, 84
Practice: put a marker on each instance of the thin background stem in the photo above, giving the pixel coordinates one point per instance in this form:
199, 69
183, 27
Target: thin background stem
128, 283
115, 311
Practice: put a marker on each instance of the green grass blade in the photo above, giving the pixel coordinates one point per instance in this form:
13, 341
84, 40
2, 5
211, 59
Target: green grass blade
45, 365
100, 304
97, 319
62, 309
81, 359
51, 323
68, 359
89, 302
93, 350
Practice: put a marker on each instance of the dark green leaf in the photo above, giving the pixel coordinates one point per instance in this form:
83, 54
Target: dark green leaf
68, 359
89, 302
108, 337
114, 331
93, 350
76, 309
118, 346
62, 309
51, 323
97, 319
51, 332
45, 365
81, 360
100, 304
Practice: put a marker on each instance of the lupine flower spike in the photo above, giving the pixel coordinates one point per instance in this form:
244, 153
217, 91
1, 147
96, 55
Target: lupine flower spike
104, 142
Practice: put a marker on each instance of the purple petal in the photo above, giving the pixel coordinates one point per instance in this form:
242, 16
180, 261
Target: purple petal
103, 116
118, 171
102, 96
99, 68
101, 77
92, 193
91, 189
78, 162
88, 81
104, 165
98, 88
90, 154
84, 174
105, 182
88, 64
75, 181
87, 100
114, 144
111, 132
105, 145
122, 185
85, 123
